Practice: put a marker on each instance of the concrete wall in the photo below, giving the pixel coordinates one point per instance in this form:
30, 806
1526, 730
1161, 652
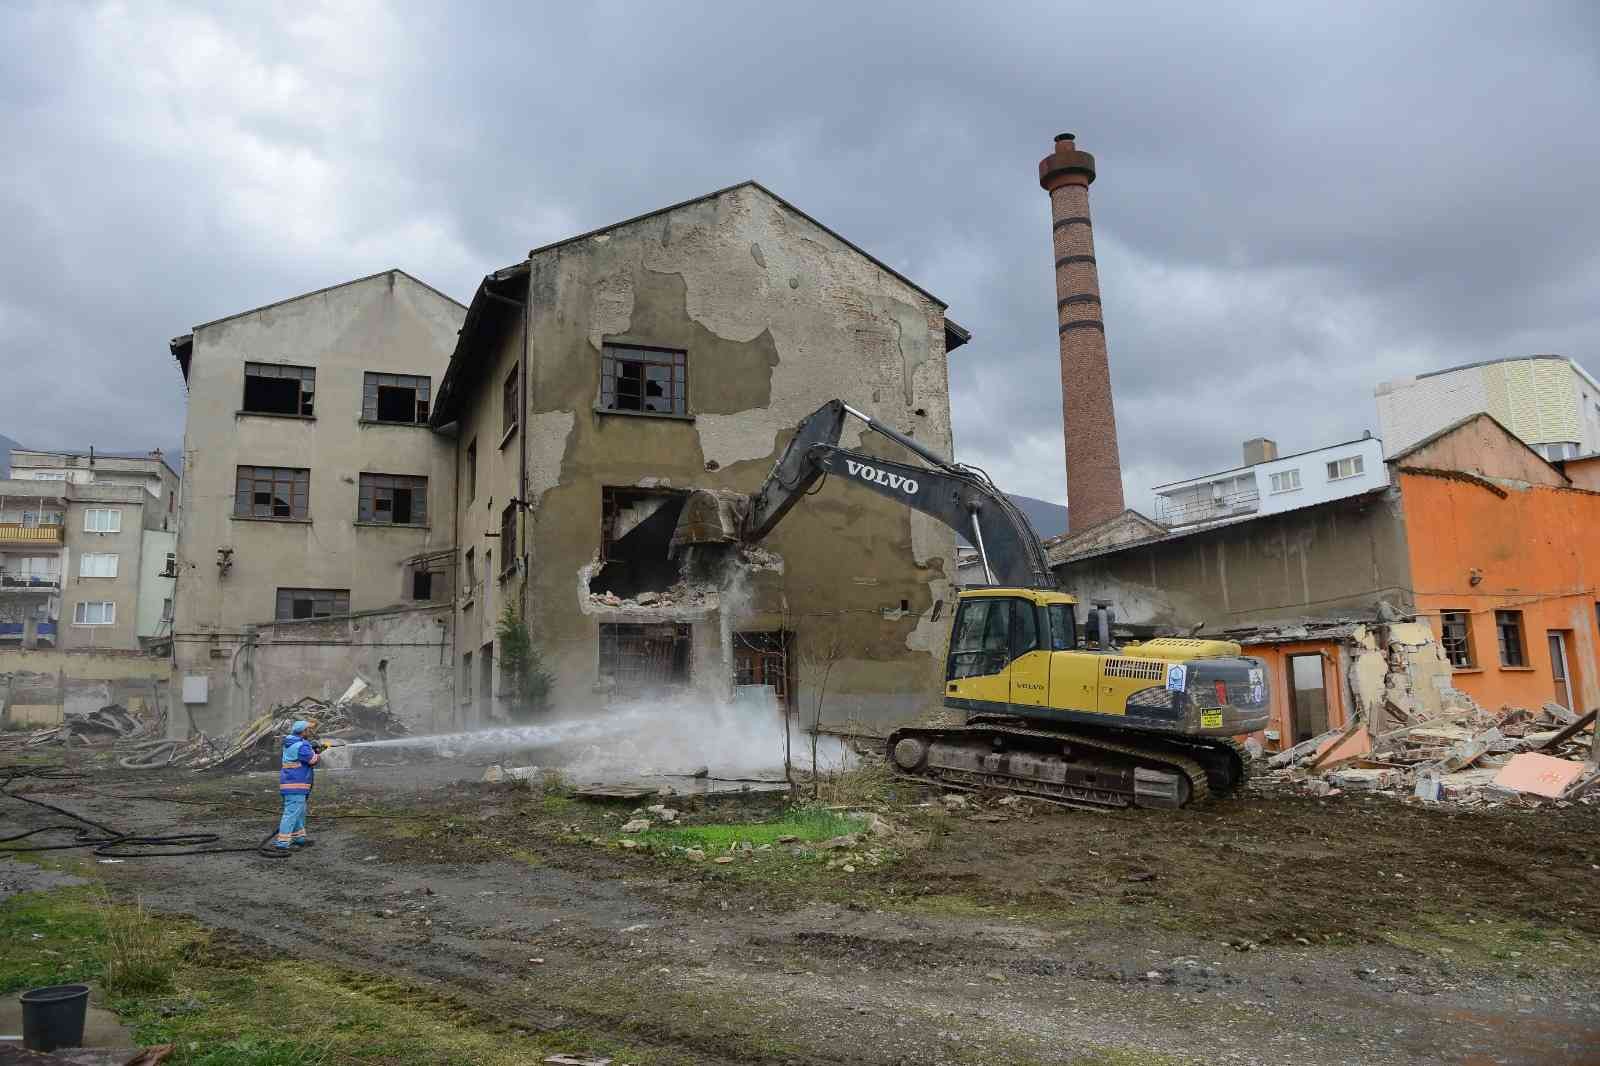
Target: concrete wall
404, 653
154, 587
1331, 561
777, 316
388, 322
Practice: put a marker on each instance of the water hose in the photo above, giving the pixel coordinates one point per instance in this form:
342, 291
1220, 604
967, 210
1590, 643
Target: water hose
149, 756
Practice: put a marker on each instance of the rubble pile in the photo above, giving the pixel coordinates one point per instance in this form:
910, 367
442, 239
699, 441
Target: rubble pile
109, 724
683, 594
1465, 756
360, 714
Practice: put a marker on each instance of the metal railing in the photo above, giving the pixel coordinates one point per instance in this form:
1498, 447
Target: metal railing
1204, 507
17, 533
11, 579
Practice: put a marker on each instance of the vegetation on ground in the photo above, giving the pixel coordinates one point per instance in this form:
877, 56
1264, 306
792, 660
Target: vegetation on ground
804, 824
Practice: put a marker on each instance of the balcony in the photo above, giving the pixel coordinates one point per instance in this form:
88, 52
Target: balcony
19, 535
1191, 507
11, 582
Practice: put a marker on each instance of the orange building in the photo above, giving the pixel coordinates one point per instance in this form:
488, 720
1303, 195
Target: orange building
1505, 563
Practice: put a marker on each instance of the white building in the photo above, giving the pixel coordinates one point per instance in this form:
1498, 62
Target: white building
1549, 401
1268, 483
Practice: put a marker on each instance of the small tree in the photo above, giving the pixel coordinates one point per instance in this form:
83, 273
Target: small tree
816, 666
524, 682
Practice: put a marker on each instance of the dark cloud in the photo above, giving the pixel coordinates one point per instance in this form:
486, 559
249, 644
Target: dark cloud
1294, 202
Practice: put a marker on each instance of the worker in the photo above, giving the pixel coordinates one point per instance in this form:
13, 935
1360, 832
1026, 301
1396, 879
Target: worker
300, 757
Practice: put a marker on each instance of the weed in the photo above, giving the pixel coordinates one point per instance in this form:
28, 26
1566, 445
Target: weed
804, 823
248, 1051
132, 951
868, 782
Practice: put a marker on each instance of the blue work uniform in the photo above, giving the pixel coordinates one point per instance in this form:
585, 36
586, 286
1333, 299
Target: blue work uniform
294, 784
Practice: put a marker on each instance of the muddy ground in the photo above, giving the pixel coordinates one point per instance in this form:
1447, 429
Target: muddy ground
1268, 928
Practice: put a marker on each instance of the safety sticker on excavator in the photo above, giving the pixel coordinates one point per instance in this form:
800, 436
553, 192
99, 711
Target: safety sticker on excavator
1177, 677
1210, 719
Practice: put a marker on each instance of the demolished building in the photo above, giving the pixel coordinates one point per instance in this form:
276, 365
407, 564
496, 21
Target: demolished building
1466, 569
614, 395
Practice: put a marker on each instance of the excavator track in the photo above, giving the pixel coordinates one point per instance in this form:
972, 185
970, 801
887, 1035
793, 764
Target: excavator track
1170, 779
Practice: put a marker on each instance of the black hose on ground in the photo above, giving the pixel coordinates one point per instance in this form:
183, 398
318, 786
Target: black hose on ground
106, 841
149, 756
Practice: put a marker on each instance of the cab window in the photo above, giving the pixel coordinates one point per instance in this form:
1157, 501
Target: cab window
1063, 627
981, 642
1024, 628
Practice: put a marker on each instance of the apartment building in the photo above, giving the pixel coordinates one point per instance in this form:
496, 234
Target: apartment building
1267, 483
86, 550
318, 501
605, 378
1549, 401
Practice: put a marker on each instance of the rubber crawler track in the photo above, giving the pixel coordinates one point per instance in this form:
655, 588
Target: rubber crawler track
1199, 783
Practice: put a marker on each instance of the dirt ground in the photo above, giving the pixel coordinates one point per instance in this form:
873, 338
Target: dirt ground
1268, 928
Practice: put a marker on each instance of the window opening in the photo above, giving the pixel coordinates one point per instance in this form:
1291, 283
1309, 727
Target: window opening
765, 657
643, 379
1456, 635
636, 540
272, 389
508, 538
399, 398
466, 677
271, 492
1508, 626
472, 470
638, 659
299, 604
393, 499
509, 395
421, 584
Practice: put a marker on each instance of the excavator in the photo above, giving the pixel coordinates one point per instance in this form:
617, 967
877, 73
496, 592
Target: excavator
1050, 713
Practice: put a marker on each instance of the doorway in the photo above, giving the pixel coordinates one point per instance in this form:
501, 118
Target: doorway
1308, 697
1560, 673
486, 683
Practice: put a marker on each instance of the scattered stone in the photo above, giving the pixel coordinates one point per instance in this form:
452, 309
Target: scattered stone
839, 843
641, 927
723, 860
955, 801
638, 825
629, 844
695, 854
995, 975
645, 599
1146, 876
788, 839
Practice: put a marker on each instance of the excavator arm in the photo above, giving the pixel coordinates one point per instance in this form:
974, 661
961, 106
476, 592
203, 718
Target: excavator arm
962, 497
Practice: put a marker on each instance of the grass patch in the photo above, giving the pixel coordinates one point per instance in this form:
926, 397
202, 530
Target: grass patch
50, 939
134, 957
806, 824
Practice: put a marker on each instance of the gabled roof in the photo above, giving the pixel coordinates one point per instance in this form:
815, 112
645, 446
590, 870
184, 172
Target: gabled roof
509, 285
182, 347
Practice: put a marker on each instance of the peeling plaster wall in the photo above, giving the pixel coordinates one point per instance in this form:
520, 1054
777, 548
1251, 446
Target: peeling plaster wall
777, 317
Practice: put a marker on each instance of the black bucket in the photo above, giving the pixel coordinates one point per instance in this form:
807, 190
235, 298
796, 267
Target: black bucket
53, 1017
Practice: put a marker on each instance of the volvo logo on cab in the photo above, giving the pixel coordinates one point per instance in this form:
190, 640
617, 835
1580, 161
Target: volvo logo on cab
882, 477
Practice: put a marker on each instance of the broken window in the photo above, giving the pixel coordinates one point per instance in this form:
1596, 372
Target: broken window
765, 658
1343, 468
395, 398
1508, 624
466, 677
508, 538
393, 499
509, 395
297, 604
1455, 633
1308, 697
275, 389
421, 584
639, 658
635, 541
171, 569
272, 492
472, 470
643, 379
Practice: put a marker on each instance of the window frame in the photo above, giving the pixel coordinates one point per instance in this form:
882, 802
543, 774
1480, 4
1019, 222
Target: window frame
115, 514
335, 597
108, 612
1459, 643
472, 470
508, 539
1357, 463
299, 479
510, 403
369, 486
305, 402
1511, 621
83, 560
373, 381
676, 362
1272, 481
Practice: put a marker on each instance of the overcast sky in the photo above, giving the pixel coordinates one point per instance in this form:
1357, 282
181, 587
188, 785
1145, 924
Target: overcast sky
1294, 202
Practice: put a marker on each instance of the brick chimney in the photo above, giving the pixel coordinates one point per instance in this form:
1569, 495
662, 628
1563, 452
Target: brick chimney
1094, 470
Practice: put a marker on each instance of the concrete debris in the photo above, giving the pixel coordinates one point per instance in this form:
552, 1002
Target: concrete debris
638, 825
498, 774
1464, 756
662, 812
683, 595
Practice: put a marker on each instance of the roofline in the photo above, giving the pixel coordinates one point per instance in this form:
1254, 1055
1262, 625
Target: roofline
1458, 423
752, 184
444, 399
1179, 534
1264, 462
147, 457
1496, 362
319, 292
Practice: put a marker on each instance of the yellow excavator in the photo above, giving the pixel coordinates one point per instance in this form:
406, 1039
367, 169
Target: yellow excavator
1053, 709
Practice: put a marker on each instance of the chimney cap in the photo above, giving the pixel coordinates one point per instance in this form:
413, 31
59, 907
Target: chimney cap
1066, 137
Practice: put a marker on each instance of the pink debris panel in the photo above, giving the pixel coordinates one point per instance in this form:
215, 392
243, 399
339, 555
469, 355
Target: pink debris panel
1542, 775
